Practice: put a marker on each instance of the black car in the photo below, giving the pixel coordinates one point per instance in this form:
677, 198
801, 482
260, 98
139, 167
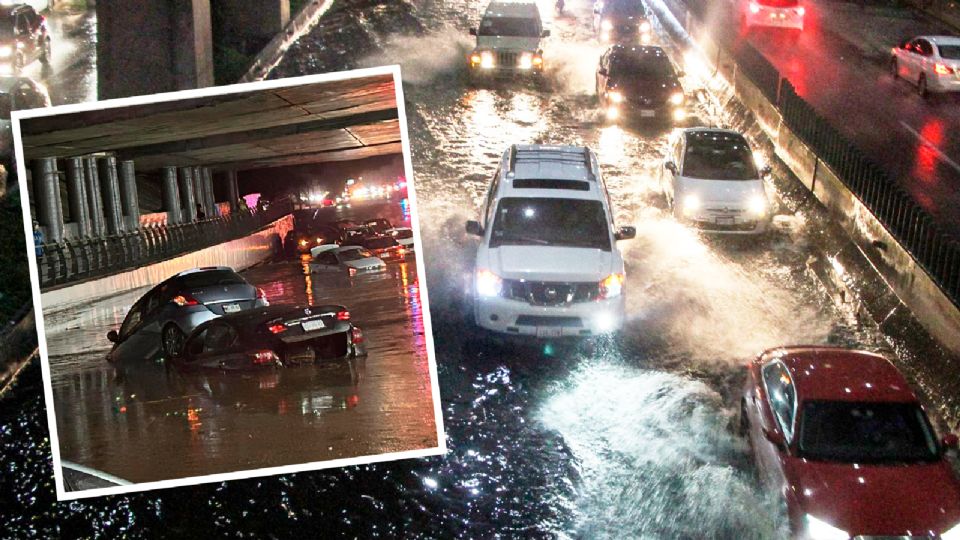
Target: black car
639, 82
378, 225
273, 336
385, 247
23, 38
622, 21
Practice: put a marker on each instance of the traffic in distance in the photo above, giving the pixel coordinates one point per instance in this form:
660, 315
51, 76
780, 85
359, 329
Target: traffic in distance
834, 431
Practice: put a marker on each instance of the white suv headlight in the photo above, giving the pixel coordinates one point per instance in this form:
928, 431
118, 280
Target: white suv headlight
486, 60
488, 284
952, 534
676, 98
644, 27
616, 96
6, 51
526, 61
757, 205
691, 204
821, 530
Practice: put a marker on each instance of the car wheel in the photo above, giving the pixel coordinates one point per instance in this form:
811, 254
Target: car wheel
172, 341
45, 54
922, 86
894, 69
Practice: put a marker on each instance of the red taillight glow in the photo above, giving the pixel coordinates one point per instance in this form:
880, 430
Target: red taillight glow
801, 11
260, 294
754, 8
262, 358
184, 300
277, 328
941, 69
343, 315
357, 335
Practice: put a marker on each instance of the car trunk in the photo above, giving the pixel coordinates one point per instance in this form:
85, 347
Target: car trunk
225, 299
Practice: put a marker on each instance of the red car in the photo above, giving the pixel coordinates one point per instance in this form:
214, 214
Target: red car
840, 434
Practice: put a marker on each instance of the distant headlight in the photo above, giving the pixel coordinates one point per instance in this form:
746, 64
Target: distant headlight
757, 205
820, 530
6, 51
644, 27
486, 60
952, 534
676, 98
488, 284
691, 203
606, 25
616, 96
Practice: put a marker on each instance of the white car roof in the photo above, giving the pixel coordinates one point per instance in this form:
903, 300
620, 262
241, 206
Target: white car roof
941, 40
539, 170
316, 250
512, 9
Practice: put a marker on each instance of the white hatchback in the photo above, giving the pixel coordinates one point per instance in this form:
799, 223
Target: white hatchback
930, 62
712, 182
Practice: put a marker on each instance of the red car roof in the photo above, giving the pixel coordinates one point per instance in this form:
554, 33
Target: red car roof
833, 373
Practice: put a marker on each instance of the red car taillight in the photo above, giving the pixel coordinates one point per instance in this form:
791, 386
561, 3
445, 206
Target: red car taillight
184, 300
343, 315
260, 294
277, 328
941, 69
263, 358
754, 8
801, 12
357, 335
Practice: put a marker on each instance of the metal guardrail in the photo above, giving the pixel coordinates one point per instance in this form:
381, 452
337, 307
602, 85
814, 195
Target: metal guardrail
934, 249
80, 259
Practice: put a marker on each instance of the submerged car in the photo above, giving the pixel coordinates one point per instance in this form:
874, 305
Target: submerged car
24, 37
378, 225
711, 181
639, 82
404, 237
932, 63
162, 318
548, 265
622, 21
508, 41
842, 437
349, 259
385, 247
271, 337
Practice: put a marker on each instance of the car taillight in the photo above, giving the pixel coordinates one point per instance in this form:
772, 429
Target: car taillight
343, 315
941, 69
801, 11
184, 300
277, 328
754, 8
260, 294
611, 286
402, 252
263, 358
357, 335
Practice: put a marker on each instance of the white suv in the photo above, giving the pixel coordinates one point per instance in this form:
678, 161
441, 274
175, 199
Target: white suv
508, 40
548, 265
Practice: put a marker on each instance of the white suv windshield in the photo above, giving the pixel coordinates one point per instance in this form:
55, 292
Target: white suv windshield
509, 26
550, 222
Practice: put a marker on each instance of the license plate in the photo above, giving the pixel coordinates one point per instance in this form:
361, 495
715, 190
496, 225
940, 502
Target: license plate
724, 221
549, 331
310, 326
647, 113
231, 308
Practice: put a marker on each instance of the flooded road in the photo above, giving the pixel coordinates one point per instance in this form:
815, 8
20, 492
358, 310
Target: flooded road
633, 438
151, 421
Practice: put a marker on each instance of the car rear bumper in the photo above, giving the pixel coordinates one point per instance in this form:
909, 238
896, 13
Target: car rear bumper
579, 319
943, 83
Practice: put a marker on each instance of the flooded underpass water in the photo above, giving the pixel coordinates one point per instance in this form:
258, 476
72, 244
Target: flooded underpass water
631, 439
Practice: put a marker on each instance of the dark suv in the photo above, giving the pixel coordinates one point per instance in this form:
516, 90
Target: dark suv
23, 38
621, 21
641, 82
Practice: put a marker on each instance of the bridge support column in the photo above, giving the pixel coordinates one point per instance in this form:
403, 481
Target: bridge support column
129, 198
94, 202
187, 201
77, 196
233, 192
171, 195
110, 194
46, 184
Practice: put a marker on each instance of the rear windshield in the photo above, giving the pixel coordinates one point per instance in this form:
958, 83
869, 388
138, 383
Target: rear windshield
624, 8
210, 278
950, 52
380, 243
719, 157
550, 222
853, 432
641, 66
509, 26
779, 3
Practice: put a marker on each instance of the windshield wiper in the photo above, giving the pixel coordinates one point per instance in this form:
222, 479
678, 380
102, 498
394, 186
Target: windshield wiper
522, 238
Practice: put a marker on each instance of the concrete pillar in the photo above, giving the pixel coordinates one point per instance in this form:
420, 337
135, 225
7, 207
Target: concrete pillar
77, 196
253, 19
171, 195
94, 203
149, 47
187, 201
233, 192
208, 189
46, 184
110, 195
198, 197
129, 198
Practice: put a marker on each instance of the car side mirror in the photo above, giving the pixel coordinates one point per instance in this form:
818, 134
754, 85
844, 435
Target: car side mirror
473, 31
626, 233
775, 437
113, 336
765, 171
474, 228
670, 166
603, 71
950, 441
545, 33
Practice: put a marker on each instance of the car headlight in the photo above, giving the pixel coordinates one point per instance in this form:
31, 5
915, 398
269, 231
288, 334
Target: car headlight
486, 60
676, 98
691, 203
611, 286
488, 284
616, 96
951, 534
606, 25
6, 51
644, 27
526, 61
821, 530
757, 205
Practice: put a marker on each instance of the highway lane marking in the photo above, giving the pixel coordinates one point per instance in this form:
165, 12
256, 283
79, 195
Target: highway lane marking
945, 158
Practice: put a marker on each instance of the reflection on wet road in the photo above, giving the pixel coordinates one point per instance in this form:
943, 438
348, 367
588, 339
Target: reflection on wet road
151, 422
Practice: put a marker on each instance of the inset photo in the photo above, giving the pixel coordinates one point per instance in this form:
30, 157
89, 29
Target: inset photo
228, 282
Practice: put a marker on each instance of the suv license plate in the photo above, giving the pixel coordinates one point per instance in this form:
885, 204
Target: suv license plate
231, 308
549, 331
310, 326
648, 113
724, 221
